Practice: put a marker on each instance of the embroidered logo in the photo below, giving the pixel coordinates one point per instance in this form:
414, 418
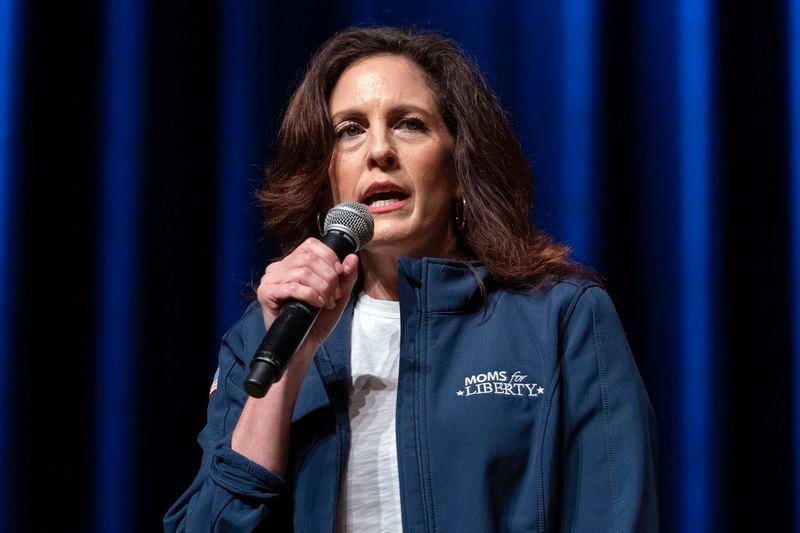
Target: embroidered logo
500, 382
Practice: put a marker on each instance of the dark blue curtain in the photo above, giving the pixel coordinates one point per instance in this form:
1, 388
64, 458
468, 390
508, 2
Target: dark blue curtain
665, 139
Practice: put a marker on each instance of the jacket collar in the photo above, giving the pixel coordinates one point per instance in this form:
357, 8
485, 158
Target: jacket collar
447, 286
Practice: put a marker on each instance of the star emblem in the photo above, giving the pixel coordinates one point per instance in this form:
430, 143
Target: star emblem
540, 390
460, 393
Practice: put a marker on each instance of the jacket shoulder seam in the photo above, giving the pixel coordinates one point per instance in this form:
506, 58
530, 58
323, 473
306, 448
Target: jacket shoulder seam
581, 290
601, 371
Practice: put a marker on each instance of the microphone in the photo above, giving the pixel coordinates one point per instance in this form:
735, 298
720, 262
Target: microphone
348, 228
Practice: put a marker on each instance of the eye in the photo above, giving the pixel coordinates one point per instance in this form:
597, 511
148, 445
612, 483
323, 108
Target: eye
412, 124
348, 130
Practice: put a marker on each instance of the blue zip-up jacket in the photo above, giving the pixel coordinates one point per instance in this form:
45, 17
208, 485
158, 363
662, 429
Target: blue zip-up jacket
518, 412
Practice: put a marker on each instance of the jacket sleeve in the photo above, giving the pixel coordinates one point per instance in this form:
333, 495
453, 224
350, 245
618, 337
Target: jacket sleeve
609, 429
230, 492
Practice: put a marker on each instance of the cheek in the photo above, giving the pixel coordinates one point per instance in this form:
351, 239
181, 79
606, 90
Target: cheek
342, 177
436, 171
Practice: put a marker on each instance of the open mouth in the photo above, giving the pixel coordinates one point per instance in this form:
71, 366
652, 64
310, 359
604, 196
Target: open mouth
384, 196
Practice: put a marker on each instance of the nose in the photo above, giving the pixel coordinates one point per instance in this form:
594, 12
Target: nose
381, 152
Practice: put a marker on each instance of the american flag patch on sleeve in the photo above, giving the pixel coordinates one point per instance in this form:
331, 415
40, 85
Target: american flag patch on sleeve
214, 383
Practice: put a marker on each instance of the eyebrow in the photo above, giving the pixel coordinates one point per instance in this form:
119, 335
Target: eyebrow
393, 111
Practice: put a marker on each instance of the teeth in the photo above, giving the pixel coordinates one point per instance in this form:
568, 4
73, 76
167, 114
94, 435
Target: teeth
381, 203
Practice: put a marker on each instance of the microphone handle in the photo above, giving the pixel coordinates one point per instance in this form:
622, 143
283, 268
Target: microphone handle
289, 329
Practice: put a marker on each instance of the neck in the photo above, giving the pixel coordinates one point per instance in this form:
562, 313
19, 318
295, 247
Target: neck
379, 270
380, 275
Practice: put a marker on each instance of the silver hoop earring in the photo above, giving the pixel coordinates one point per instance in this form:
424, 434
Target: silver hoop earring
460, 212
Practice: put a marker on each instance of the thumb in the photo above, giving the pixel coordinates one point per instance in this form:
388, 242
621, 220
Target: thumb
347, 280
329, 317
349, 277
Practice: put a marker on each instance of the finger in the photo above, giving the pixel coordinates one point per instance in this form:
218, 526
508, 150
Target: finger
347, 281
350, 264
324, 252
309, 257
349, 277
283, 272
308, 268
329, 317
268, 292
271, 297
306, 275
281, 292
308, 251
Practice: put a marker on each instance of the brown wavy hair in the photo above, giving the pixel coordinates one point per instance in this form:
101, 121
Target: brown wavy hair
489, 164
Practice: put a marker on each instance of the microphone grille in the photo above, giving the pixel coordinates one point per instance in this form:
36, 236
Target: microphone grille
355, 218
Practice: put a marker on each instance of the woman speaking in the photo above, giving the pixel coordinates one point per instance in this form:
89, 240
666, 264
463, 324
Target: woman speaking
463, 373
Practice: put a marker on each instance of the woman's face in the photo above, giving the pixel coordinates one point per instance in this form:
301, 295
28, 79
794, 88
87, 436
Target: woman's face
393, 153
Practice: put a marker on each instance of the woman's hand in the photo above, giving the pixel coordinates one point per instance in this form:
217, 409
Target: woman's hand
311, 274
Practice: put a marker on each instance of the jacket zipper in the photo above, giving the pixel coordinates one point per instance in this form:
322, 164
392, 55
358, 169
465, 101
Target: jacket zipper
400, 466
418, 432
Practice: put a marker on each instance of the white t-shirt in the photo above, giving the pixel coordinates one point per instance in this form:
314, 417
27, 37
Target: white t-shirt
370, 494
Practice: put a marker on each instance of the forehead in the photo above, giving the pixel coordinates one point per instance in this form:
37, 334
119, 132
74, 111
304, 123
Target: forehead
381, 79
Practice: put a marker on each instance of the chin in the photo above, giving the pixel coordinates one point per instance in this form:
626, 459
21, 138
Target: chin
390, 241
